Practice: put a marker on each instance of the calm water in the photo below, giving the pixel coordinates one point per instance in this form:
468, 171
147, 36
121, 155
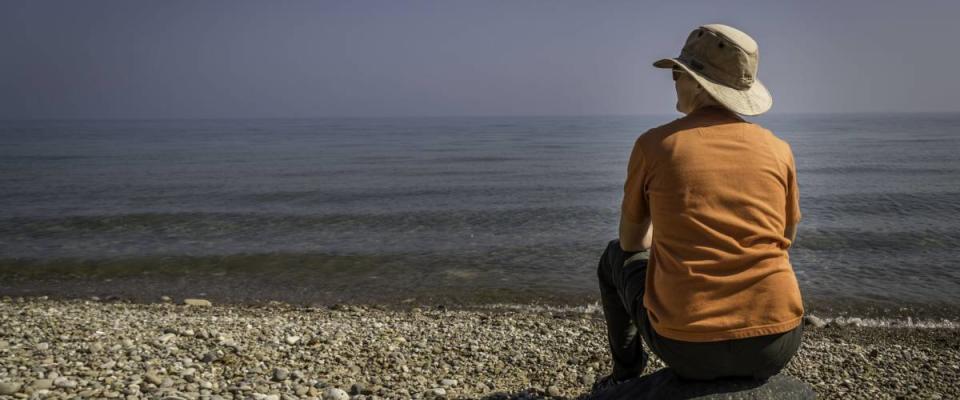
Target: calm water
493, 206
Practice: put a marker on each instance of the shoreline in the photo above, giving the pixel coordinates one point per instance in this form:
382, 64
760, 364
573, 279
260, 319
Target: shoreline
248, 290
136, 350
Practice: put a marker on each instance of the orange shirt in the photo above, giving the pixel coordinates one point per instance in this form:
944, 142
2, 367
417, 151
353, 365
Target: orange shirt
720, 192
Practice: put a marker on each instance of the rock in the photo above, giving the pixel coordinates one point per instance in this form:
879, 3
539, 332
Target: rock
332, 393
587, 379
356, 389
280, 374
63, 382
296, 375
153, 378
291, 340
197, 302
8, 388
448, 382
666, 384
439, 392
41, 384
817, 322
553, 391
165, 299
166, 337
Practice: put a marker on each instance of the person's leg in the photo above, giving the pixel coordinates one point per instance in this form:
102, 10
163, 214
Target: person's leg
758, 357
775, 354
621, 291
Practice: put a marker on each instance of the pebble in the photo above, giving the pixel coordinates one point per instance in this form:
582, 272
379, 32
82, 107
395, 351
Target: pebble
197, 302
41, 384
587, 379
815, 321
332, 393
291, 340
63, 382
280, 374
153, 378
553, 391
356, 389
448, 382
9, 388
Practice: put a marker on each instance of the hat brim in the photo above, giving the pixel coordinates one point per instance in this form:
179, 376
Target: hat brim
754, 101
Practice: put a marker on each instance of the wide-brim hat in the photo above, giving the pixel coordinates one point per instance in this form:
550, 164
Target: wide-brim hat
724, 61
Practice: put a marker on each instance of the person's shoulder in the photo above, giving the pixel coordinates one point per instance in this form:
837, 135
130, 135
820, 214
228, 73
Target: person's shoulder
779, 143
658, 133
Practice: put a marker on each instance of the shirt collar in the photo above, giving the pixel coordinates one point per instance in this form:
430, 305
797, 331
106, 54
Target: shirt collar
716, 111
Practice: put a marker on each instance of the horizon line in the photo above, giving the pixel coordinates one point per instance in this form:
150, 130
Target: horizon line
674, 113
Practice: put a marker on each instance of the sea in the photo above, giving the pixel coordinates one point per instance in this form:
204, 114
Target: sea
443, 210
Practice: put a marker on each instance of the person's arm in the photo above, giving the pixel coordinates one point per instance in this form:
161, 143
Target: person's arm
635, 237
636, 227
793, 200
791, 232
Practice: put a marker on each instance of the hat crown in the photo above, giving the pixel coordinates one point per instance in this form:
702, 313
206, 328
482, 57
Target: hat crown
722, 54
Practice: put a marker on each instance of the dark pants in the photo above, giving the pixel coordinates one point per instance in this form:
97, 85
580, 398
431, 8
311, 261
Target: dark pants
621, 290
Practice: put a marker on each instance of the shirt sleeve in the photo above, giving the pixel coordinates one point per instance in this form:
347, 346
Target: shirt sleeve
635, 200
793, 191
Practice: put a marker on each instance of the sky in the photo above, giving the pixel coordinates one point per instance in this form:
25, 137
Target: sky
302, 59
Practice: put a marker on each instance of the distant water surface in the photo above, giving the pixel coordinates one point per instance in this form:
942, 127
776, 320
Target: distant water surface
395, 207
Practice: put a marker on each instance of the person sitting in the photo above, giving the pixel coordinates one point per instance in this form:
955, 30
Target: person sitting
700, 271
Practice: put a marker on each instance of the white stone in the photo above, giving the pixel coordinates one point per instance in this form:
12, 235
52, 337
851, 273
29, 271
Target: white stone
197, 302
332, 393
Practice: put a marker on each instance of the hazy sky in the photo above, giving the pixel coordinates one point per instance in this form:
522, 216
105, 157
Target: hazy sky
173, 59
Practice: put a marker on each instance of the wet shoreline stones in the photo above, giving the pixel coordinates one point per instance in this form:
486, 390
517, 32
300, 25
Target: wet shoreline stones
68, 348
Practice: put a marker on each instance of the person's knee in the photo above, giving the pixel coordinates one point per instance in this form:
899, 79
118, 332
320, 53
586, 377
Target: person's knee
613, 245
604, 265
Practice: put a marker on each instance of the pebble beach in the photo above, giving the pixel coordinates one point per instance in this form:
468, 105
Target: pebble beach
63, 348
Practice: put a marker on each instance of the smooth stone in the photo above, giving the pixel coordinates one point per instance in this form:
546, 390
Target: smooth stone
8, 388
165, 299
665, 384
356, 389
553, 391
438, 391
448, 382
153, 378
41, 384
332, 393
291, 340
587, 379
197, 302
817, 322
280, 374
64, 383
